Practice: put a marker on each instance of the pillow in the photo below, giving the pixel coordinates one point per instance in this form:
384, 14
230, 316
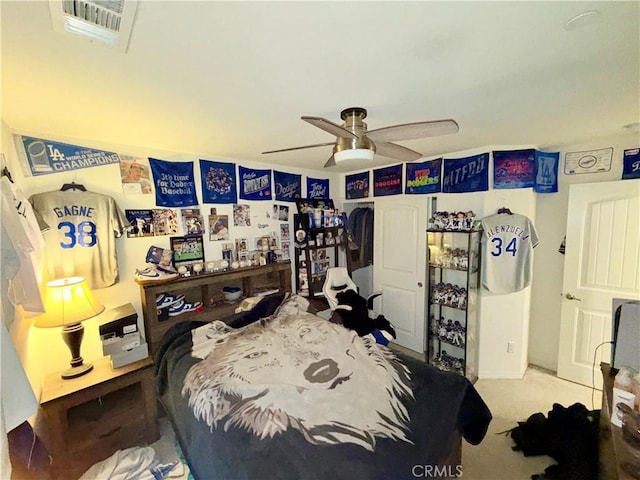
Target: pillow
265, 307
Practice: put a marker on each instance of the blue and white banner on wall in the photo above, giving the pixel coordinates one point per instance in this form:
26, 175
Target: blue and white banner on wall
546, 172
288, 186
514, 168
174, 183
255, 184
469, 174
631, 164
357, 185
318, 188
387, 181
218, 182
423, 177
46, 156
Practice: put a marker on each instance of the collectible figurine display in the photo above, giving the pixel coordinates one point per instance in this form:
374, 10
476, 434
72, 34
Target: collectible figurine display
450, 295
454, 221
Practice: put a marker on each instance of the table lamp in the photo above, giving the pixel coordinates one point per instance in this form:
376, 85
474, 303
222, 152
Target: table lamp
69, 302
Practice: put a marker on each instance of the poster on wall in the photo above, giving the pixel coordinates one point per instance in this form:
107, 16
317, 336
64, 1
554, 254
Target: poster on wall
631, 164
590, 161
135, 175
46, 156
469, 174
255, 184
387, 181
514, 168
288, 186
140, 223
546, 172
174, 183
357, 185
317, 187
423, 177
218, 182
218, 227
165, 221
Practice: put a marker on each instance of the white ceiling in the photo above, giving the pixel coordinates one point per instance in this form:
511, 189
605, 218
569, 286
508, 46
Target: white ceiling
229, 80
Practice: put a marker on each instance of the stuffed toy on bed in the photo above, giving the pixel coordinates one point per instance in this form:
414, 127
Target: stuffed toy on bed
352, 312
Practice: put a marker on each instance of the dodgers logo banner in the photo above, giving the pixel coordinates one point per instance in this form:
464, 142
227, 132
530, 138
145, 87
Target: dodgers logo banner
45, 156
546, 172
631, 164
387, 181
469, 174
288, 186
255, 184
357, 185
218, 182
423, 177
514, 168
174, 183
317, 188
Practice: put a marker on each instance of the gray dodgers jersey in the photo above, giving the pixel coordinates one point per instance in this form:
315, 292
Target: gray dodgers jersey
508, 255
81, 240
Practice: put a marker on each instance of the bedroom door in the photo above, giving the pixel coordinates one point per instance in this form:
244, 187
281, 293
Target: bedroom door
399, 266
602, 262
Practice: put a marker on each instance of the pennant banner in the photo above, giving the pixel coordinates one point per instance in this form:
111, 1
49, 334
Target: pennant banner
469, 174
317, 187
357, 185
255, 184
423, 177
387, 181
288, 186
174, 183
631, 164
218, 182
514, 169
45, 156
547, 172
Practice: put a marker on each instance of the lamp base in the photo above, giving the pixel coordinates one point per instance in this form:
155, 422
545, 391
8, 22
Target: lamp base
75, 372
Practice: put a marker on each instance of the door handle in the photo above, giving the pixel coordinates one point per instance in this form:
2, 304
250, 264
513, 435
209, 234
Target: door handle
419, 284
568, 296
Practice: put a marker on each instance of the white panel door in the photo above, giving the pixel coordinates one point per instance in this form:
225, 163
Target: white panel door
602, 262
399, 266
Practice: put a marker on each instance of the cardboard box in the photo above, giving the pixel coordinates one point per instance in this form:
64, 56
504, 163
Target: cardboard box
119, 330
125, 358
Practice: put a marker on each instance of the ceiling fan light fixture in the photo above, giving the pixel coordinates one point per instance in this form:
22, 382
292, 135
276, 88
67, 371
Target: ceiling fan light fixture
354, 154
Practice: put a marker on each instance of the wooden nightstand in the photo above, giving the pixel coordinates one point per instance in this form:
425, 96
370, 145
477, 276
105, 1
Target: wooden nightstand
86, 419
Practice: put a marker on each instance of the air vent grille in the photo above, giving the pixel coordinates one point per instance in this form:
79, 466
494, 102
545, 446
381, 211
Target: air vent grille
104, 14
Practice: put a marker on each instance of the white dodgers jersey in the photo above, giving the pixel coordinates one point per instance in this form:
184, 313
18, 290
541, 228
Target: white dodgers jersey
81, 241
508, 255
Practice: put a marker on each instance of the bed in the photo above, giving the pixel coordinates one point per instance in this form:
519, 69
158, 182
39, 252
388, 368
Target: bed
281, 393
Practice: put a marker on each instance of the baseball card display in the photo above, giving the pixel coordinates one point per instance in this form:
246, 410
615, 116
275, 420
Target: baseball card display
81, 241
508, 257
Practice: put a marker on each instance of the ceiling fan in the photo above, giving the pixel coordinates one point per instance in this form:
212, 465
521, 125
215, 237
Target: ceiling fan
354, 143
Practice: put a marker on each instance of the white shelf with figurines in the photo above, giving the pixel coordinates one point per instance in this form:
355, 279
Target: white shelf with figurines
454, 262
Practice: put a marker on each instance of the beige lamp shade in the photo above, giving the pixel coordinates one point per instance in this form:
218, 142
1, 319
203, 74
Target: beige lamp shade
67, 301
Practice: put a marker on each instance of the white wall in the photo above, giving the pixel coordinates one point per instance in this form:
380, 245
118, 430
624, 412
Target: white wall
42, 350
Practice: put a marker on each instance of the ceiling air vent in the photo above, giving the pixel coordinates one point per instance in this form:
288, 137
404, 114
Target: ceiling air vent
105, 21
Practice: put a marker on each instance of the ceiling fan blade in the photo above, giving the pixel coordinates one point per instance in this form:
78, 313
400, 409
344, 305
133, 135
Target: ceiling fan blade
300, 148
328, 126
410, 131
398, 152
331, 162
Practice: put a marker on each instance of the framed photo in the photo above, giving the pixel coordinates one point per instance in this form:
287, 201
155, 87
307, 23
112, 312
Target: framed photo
187, 250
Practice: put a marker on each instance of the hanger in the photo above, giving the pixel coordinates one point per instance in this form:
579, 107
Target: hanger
7, 173
505, 210
73, 186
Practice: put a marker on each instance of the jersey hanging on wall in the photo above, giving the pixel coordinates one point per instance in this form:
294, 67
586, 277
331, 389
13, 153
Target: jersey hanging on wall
81, 241
508, 261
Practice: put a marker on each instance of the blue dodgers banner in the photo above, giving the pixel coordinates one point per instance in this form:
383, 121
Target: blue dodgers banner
317, 188
631, 164
514, 168
546, 172
288, 186
255, 184
357, 185
423, 177
218, 182
45, 156
387, 181
174, 183
469, 174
